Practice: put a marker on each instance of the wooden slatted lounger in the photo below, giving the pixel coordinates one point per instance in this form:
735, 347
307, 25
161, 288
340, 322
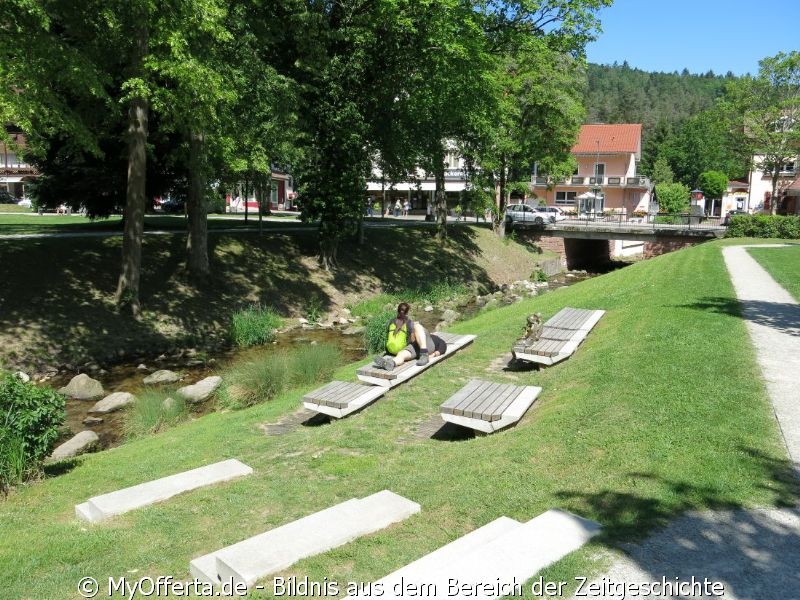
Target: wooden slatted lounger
486, 406
388, 379
339, 398
561, 336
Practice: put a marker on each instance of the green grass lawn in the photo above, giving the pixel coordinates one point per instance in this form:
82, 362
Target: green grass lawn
783, 264
661, 410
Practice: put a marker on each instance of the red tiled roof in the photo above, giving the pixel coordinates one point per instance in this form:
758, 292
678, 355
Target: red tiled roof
618, 139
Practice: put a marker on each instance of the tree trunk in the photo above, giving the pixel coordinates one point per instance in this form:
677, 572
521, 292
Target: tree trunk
127, 293
197, 241
440, 204
500, 200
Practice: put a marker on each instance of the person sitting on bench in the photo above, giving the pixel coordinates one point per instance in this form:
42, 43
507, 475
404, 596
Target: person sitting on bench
407, 340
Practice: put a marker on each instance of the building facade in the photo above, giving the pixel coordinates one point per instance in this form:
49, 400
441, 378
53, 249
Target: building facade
15, 173
787, 194
606, 179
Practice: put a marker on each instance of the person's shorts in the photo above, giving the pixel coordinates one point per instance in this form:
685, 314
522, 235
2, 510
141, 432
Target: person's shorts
439, 345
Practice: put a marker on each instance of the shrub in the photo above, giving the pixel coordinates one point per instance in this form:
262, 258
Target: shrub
313, 363
254, 381
313, 309
539, 275
254, 325
764, 226
375, 332
154, 411
259, 380
374, 305
30, 417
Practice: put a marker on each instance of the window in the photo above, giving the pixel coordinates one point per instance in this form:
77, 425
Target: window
788, 168
600, 170
565, 198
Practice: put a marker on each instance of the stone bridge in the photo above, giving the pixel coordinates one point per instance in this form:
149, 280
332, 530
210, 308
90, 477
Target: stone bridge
587, 243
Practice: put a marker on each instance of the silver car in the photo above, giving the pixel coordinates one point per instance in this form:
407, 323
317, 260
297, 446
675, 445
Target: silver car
524, 215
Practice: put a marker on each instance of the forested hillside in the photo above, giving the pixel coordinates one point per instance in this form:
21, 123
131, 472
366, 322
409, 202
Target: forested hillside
620, 94
675, 111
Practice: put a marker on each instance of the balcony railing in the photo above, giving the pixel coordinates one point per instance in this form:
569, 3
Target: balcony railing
578, 180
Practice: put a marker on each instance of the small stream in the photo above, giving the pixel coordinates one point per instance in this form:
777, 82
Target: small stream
129, 377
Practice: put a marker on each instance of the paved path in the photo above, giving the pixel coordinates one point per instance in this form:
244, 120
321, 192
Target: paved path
755, 554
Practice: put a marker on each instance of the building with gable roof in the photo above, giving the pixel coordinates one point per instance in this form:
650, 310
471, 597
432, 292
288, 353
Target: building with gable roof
606, 179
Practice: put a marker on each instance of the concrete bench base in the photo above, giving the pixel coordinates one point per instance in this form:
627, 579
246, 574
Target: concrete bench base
103, 507
338, 399
488, 407
277, 549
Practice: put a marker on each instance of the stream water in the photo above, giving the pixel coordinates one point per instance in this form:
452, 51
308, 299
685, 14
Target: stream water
129, 377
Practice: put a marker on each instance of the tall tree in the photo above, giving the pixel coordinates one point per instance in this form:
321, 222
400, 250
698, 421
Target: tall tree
766, 114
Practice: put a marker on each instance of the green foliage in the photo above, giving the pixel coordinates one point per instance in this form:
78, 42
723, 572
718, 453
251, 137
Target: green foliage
713, 183
154, 411
375, 332
313, 363
261, 379
374, 304
764, 226
32, 414
539, 275
313, 308
662, 172
14, 465
672, 197
254, 325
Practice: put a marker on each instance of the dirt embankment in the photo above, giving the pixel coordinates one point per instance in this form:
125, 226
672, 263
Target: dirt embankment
56, 301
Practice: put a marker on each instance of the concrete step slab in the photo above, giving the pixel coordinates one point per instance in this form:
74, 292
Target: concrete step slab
105, 506
271, 551
441, 558
498, 567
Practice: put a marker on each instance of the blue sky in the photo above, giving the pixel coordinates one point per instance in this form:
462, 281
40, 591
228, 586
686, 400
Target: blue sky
699, 35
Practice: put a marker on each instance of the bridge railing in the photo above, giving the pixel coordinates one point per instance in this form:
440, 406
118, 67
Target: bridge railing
656, 221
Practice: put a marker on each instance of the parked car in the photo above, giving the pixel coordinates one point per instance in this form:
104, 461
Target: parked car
554, 211
732, 213
524, 215
25, 203
173, 206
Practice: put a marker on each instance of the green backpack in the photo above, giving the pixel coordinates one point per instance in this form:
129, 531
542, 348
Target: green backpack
397, 338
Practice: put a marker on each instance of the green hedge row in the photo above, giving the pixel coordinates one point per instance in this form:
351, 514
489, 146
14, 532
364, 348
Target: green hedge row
764, 226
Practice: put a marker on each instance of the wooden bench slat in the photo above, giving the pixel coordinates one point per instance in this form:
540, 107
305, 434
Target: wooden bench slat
482, 409
469, 405
330, 392
495, 409
344, 395
322, 392
465, 392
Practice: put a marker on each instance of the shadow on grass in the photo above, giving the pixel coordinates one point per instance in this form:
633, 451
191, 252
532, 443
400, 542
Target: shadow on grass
777, 315
56, 301
627, 516
754, 553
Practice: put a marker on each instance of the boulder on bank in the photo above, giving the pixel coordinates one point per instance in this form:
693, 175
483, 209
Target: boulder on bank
201, 390
78, 444
113, 402
161, 376
82, 387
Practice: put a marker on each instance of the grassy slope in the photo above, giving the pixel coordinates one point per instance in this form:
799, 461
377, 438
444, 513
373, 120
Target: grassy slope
661, 410
783, 264
61, 310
